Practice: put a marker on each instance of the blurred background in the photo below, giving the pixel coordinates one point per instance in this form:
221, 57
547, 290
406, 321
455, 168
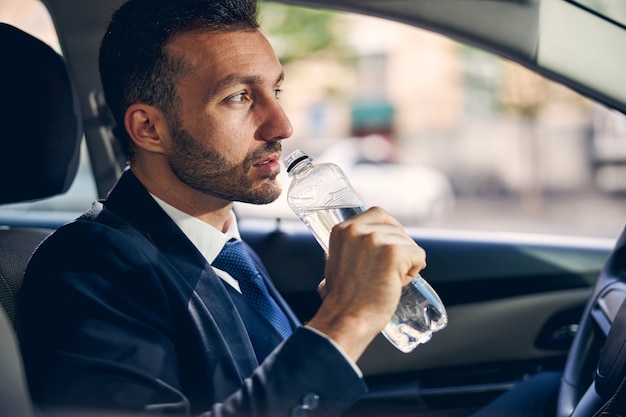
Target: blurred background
440, 134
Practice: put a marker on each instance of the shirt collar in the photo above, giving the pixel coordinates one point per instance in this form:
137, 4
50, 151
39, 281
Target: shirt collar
205, 237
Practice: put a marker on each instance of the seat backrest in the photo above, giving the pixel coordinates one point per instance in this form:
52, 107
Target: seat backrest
40, 134
14, 397
16, 246
39, 142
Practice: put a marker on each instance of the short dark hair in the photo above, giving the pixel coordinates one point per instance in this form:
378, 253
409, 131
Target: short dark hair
133, 64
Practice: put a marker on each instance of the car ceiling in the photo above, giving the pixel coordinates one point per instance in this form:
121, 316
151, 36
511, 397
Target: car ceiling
557, 38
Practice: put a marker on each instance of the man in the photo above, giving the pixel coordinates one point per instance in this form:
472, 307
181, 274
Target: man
123, 310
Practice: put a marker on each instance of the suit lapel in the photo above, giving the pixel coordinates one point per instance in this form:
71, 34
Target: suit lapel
209, 297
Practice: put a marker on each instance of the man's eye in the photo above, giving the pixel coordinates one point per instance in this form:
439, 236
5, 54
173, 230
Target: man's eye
277, 92
238, 97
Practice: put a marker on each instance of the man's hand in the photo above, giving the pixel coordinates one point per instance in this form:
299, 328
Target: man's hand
370, 259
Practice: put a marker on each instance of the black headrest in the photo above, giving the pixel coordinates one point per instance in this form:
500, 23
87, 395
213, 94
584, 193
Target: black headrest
40, 123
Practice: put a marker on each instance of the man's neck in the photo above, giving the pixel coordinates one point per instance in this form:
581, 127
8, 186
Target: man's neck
211, 210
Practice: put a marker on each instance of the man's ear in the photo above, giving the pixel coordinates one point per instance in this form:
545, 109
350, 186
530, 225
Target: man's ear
146, 126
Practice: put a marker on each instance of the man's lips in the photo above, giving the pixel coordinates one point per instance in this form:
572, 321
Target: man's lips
270, 164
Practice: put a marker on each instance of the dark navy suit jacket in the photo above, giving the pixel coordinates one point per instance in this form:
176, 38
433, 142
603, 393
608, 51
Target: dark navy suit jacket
119, 311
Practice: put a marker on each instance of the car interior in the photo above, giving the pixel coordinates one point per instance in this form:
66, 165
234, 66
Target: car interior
515, 301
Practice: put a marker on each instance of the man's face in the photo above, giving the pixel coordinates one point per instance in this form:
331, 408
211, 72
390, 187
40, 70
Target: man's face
227, 141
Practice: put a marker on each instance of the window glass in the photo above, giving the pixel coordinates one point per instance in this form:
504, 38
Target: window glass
459, 138
440, 134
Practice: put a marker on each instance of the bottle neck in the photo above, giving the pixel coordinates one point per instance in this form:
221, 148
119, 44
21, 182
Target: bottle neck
300, 166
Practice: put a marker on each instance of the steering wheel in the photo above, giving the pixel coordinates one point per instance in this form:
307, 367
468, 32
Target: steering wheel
596, 362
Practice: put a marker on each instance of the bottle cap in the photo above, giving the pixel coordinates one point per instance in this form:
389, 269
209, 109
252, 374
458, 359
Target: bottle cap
293, 158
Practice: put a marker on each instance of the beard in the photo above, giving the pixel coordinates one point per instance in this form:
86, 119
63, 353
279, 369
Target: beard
207, 171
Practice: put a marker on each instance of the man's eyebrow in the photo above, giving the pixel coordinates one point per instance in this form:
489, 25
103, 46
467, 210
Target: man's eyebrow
233, 80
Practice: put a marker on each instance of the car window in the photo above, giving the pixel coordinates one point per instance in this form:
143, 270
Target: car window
33, 18
439, 133
444, 135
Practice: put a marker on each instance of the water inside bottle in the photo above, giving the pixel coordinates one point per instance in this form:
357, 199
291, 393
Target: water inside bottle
419, 314
320, 220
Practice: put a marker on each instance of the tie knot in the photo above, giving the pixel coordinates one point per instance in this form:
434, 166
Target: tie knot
235, 257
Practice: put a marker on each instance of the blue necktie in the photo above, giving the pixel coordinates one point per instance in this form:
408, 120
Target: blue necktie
235, 260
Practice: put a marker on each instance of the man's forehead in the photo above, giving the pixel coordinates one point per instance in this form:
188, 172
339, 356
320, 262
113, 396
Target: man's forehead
219, 47
228, 58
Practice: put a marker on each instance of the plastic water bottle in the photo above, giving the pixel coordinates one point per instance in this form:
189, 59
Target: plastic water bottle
321, 196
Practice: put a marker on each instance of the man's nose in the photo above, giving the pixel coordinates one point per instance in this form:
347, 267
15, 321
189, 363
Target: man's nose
275, 125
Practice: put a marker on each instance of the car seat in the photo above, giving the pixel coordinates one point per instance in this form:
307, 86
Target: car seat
40, 139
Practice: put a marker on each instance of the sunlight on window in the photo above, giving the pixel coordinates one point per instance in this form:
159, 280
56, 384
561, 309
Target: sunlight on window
31, 16
490, 144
